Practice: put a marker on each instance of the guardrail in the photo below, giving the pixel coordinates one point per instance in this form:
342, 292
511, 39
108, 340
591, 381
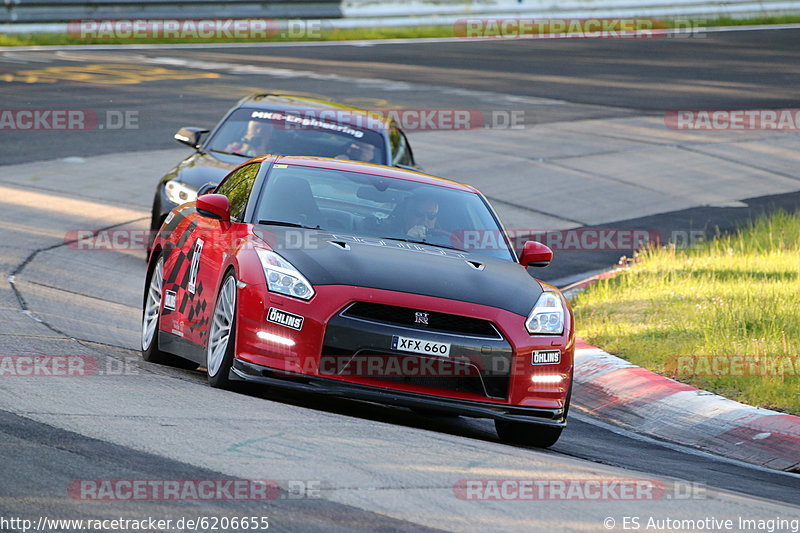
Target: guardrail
351, 13
37, 11
566, 8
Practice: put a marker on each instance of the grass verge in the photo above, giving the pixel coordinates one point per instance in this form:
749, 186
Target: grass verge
689, 313
347, 34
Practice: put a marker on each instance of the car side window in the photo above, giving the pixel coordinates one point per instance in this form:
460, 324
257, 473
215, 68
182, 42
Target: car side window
401, 153
237, 188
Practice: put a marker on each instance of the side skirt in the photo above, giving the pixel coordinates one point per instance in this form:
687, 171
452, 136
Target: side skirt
174, 344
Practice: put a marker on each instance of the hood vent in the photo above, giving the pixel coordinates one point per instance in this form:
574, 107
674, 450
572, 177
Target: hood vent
475, 264
340, 244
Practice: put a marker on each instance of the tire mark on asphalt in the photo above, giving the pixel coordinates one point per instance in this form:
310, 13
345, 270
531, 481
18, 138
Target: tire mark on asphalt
23, 304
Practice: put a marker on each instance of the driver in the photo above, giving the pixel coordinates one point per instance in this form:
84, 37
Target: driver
255, 140
359, 151
420, 217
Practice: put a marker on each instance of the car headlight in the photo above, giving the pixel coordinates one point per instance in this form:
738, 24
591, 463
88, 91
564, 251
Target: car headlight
180, 193
547, 317
283, 277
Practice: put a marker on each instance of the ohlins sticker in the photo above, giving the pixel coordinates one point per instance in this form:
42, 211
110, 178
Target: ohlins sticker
198, 251
276, 316
546, 357
170, 300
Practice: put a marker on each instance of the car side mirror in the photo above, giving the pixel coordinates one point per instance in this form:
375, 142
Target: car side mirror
206, 188
214, 206
190, 136
535, 254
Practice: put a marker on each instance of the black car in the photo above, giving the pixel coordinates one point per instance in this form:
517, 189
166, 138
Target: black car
280, 125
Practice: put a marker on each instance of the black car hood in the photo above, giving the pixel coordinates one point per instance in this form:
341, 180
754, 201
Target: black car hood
342, 259
201, 168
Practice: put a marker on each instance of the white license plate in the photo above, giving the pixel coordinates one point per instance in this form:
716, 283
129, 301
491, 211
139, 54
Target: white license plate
410, 344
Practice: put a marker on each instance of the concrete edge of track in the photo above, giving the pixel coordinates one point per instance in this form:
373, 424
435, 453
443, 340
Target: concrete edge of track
620, 392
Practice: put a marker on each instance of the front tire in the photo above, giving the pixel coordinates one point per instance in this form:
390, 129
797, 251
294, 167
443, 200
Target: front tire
222, 337
528, 434
151, 315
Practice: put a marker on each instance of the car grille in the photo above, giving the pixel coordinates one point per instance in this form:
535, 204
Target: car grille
405, 316
458, 376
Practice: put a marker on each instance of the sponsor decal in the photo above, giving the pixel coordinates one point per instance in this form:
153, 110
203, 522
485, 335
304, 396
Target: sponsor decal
170, 300
198, 251
282, 318
546, 357
293, 121
177, 328
169, 217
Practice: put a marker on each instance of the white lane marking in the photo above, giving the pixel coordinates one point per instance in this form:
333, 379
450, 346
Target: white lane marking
583, 416
10, 57
359, 42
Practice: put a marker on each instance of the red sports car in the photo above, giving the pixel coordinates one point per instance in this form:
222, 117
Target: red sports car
362, 281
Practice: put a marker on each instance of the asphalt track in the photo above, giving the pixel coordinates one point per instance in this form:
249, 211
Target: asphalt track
380, 468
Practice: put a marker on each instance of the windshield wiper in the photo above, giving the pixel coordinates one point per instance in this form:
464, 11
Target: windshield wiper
286, 224
422, 242
229, 153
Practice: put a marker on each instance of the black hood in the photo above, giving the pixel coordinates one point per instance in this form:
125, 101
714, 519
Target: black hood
199, 169
341, 259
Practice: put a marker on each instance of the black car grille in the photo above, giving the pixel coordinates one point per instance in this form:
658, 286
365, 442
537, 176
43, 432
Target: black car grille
456, 376
405, 316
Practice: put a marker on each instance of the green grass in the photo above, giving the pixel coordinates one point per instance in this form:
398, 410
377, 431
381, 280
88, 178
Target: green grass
347, 34
735, 295
422, 31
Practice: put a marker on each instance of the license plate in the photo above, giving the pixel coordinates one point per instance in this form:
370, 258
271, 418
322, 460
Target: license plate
410, 344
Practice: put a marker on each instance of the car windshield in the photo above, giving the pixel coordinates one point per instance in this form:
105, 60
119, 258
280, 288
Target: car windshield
253, 132
359, 204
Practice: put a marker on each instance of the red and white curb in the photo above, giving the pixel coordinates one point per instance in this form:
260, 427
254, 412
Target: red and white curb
620, 392
623, 393
574, 288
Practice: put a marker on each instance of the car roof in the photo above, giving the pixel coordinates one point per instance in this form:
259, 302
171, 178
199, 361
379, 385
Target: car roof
352, 116
365, 168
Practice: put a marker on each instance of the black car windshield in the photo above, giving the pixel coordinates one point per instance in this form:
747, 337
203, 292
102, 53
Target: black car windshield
352, 203
253, 132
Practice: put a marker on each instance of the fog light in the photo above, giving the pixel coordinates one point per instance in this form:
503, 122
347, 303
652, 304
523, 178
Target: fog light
271, 337
557, 378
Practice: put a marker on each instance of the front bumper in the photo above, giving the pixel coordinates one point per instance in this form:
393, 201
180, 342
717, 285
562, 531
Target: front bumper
250, 372
503, 363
